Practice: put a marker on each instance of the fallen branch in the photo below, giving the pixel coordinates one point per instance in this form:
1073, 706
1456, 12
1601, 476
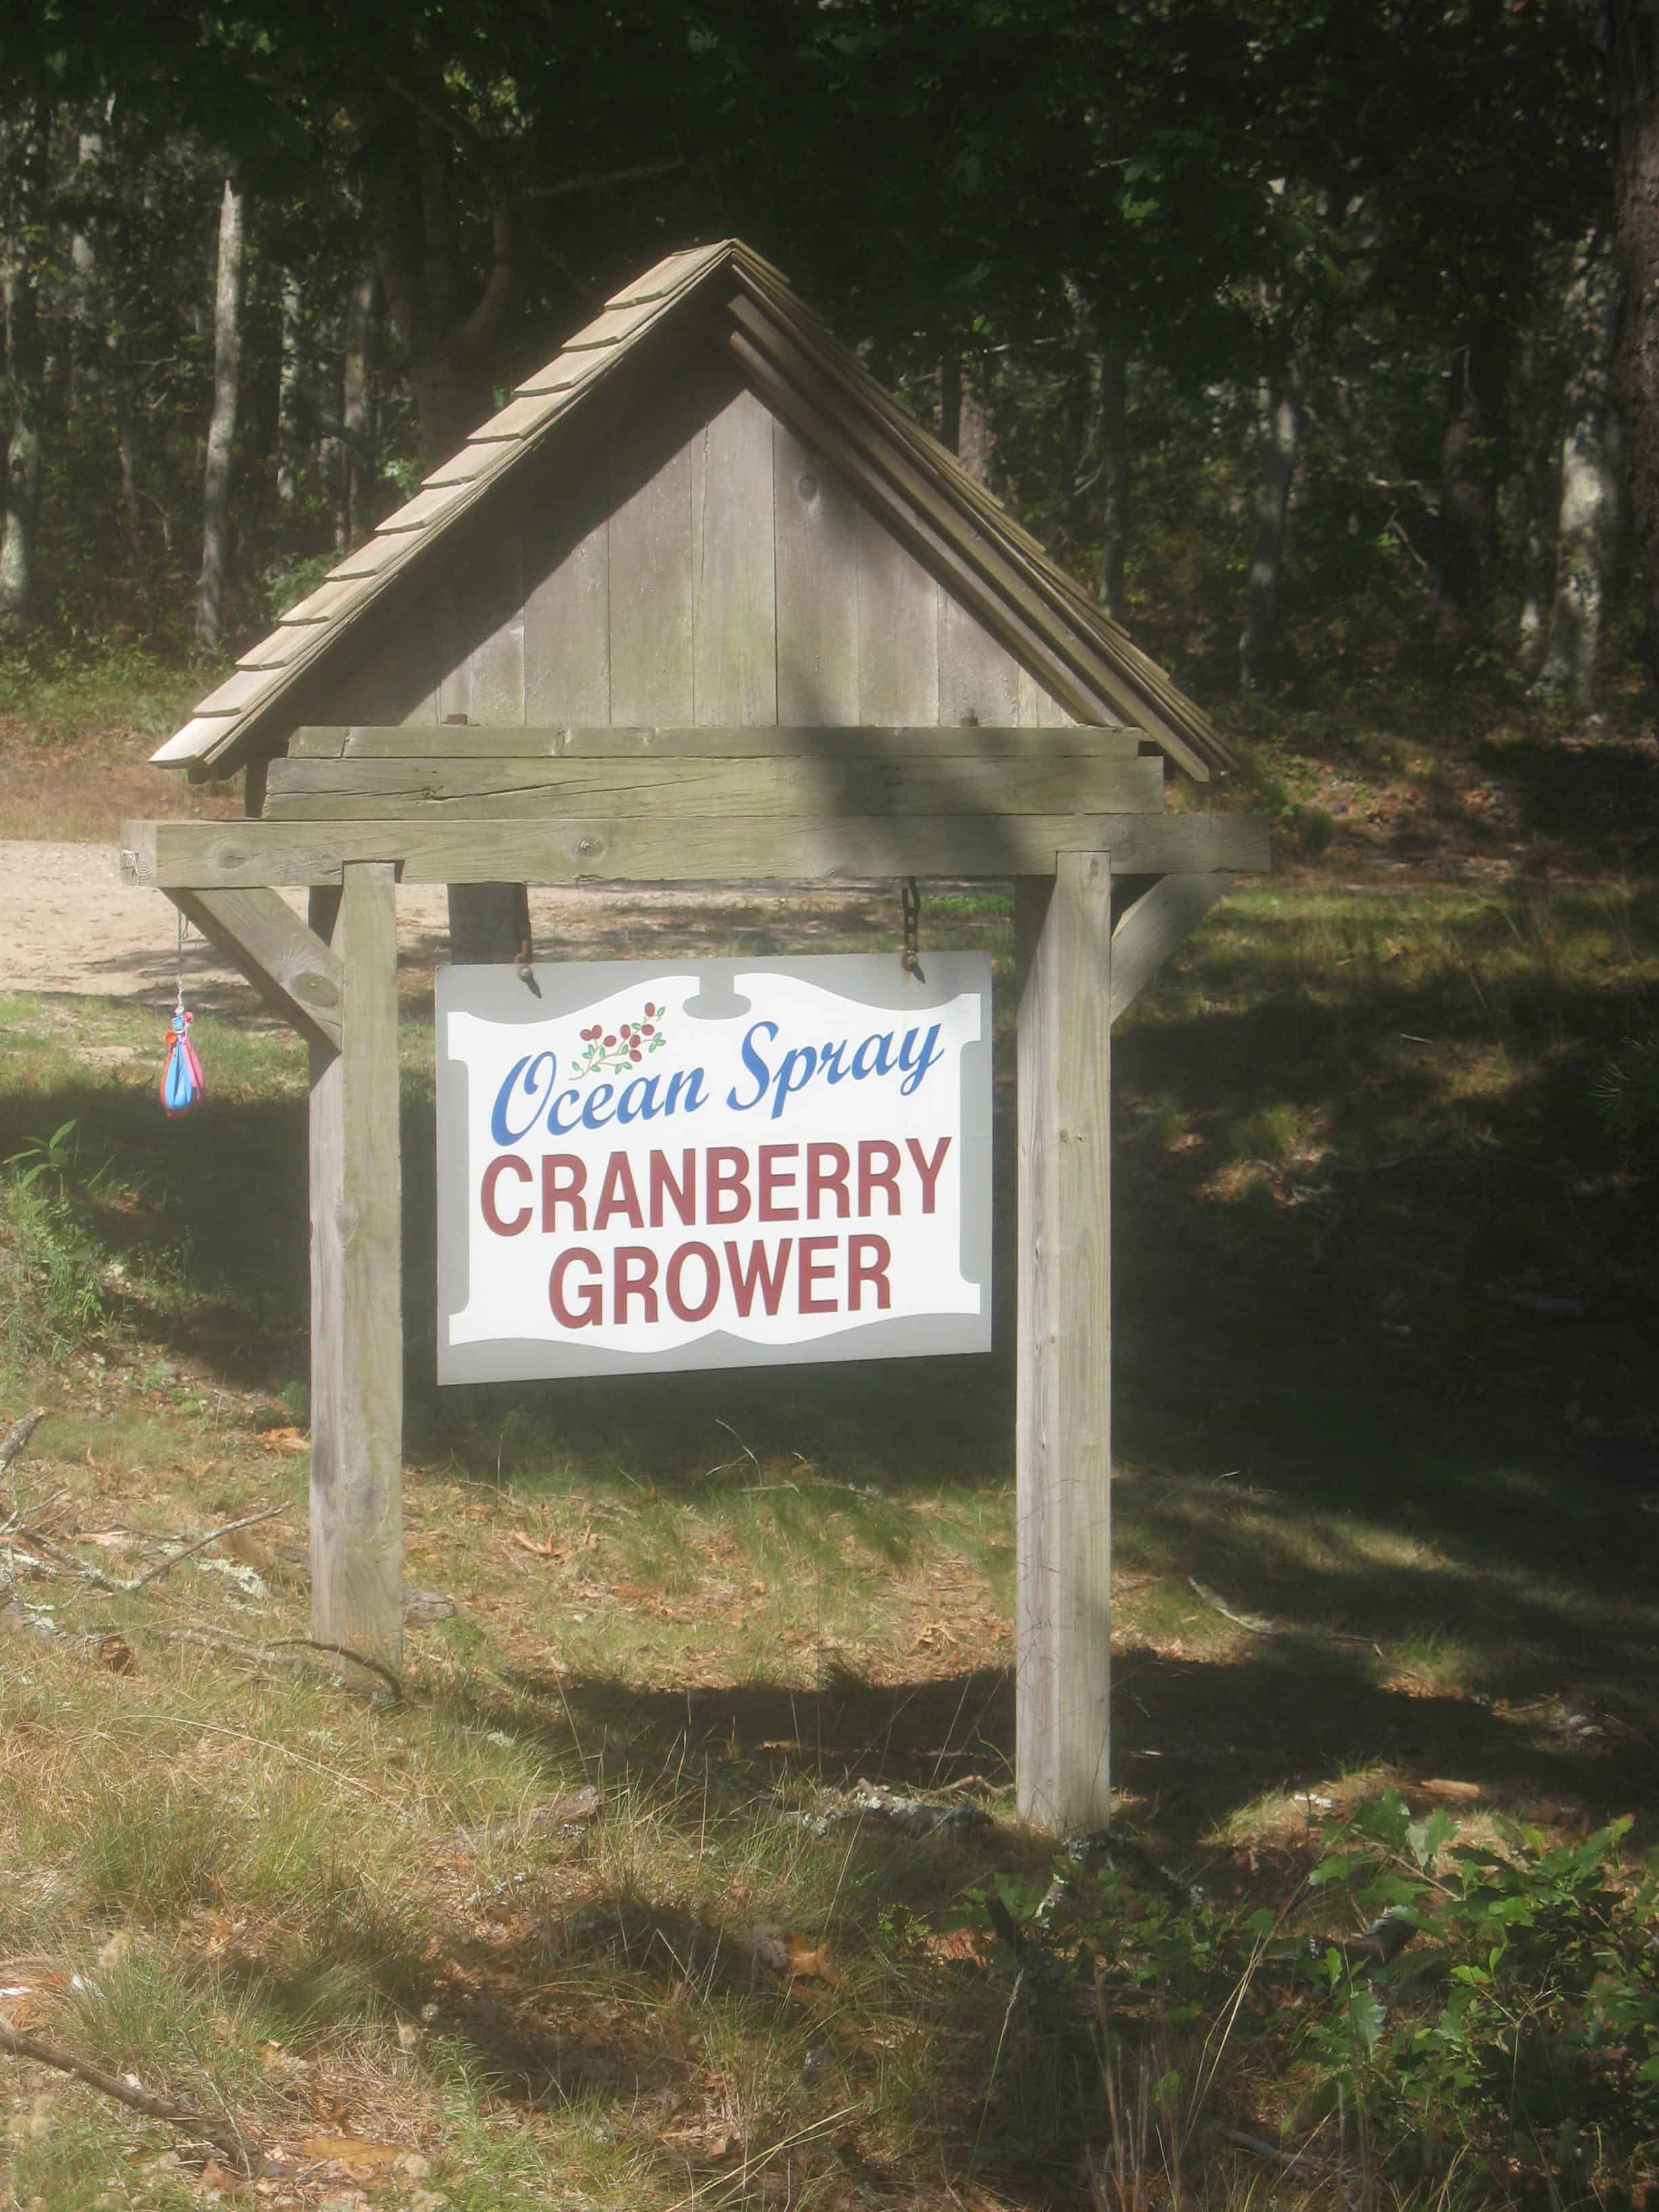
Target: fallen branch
248, 1521
224, 2135
16, 1436
393, 1681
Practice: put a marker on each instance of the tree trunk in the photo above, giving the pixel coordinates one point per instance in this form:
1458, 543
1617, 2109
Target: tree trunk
1280, 440
949, 400
1589, 494
290, 387
26, 375
1466, 540
358, 471
1633, 88
221, 429
1112, 446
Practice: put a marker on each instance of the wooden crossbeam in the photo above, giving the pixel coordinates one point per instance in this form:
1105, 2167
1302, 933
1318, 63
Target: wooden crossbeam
215, 855
1149, 931
463, 788
423, 741
292, 969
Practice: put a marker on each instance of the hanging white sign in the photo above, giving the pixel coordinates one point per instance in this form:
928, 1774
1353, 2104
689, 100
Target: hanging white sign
712, 1163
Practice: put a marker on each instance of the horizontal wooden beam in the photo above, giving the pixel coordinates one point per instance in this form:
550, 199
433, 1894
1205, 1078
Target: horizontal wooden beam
554, 741
448, 790
212, 855
292, 969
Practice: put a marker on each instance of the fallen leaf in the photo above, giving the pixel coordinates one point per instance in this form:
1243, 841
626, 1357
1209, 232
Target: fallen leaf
361, 2152
116, 1653
288, 1440
789, 1953
547, 1551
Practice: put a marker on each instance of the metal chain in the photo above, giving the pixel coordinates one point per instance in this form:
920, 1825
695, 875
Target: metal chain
910, 907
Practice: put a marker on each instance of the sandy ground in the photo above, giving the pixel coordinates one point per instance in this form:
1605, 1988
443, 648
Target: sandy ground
69, 923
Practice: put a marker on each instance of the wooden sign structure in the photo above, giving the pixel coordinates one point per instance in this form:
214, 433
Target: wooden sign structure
701, 604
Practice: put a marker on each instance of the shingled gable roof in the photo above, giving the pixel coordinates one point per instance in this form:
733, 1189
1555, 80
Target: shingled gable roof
955, 526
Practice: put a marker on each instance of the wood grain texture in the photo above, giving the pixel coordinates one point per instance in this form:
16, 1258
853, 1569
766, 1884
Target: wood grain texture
1063, 1412
898, 630
567, 612
978, 676
560, 740
1149, 932
206, 855
1038, 706
484, 632
650, 572
357, 1300
734, 637
438, 790
816, 526
293, 970
394, 674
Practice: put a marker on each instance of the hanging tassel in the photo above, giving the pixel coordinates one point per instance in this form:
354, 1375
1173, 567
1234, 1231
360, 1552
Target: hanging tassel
181, 1086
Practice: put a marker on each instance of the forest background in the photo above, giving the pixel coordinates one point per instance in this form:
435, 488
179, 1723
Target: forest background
1289, 327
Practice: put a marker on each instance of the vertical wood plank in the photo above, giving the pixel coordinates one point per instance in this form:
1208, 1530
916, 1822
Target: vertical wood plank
483, 633
356, 1295
1039, 709
734, 634
817, 538
567, 612
898, 630
395, 678
650, 595
1063, 1455
978, 676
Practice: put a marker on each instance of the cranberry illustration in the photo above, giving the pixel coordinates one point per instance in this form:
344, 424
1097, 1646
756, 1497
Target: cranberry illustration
610, 1040
634, 1053
649, 1008
647, 1029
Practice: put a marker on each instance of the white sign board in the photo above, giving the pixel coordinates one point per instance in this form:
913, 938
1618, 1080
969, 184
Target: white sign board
712, 1163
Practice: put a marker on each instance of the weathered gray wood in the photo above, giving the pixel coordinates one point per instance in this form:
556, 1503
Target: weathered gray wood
365, 741
898, 630
650, 578
816, 525
978, 676
734, 639
484, 632
197, 855
1034, 783
1063, 1415
1151, 928
395, 673
567, 614
1038, 706
357, 1300
292, 969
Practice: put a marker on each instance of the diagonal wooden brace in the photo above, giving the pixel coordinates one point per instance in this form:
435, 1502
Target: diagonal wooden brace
288, 965
1148, 931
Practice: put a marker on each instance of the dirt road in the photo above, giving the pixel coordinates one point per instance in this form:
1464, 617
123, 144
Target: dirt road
69, 923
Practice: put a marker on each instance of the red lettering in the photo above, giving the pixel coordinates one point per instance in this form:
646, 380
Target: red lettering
684, 1193
564, 1178
727, 1178
636, 1278
492, 1176
590, 1308
926, 1169
772, 1180
814, 1271
674, 1283
617, 1194
745, 1281
821, 1177
872, 1177
867, 1262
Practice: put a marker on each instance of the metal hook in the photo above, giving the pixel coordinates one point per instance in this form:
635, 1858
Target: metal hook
910, 909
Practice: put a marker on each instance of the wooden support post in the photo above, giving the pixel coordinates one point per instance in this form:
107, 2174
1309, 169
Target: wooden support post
1063, 1594
357, 1282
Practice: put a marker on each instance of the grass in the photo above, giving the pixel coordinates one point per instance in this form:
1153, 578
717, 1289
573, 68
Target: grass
1384, 1319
